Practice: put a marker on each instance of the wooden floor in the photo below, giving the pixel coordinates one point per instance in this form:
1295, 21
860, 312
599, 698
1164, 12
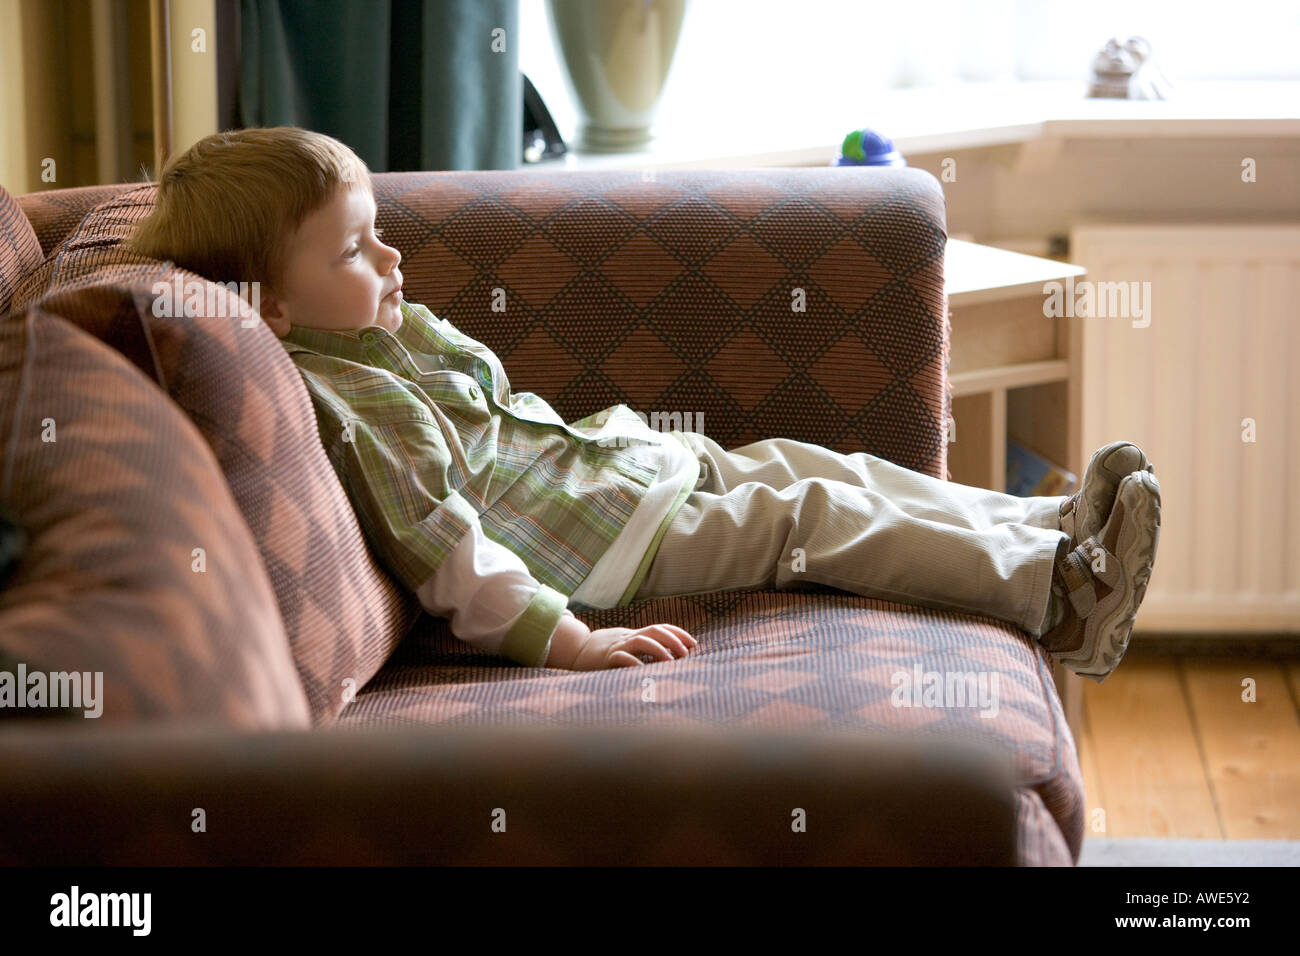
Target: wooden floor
1169, 748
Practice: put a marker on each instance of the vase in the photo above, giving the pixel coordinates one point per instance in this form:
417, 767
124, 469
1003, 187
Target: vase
616, 55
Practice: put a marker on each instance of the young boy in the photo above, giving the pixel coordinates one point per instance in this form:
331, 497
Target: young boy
497, 513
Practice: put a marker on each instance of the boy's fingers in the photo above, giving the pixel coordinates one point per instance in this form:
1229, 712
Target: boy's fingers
645, 644
675, 629
623, 659
669, 639
683, 633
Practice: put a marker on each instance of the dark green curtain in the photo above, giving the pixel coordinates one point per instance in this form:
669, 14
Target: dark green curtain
408, 84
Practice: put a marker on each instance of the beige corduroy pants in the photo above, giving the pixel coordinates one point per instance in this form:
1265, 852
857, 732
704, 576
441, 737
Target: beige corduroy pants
779, 512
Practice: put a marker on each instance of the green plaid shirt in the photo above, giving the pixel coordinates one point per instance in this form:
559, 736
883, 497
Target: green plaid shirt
427, 438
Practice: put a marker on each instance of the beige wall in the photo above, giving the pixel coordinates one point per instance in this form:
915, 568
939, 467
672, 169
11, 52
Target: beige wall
13, 133
34, 93
194, 74
51, 80
1039, 189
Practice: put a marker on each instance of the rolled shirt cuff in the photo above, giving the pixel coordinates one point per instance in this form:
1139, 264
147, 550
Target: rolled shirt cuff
529, 639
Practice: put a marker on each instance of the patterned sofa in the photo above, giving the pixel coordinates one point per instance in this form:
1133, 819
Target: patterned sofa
187, 538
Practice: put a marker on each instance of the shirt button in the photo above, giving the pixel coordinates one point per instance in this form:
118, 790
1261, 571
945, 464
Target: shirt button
473, 393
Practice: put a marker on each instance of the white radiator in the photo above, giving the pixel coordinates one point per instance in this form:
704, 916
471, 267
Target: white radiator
1216, 354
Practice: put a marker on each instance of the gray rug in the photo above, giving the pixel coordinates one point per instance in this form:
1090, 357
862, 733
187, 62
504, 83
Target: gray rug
1104, 851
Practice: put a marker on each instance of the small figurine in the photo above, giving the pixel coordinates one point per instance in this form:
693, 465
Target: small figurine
1128, 72
864, 147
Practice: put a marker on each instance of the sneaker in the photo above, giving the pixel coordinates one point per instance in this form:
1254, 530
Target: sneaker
1085, 512
1104, 579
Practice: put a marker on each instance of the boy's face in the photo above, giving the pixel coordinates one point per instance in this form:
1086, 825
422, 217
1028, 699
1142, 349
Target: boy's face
338, 275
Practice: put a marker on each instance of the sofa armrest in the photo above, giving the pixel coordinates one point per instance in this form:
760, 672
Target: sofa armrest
571, 795
806, 303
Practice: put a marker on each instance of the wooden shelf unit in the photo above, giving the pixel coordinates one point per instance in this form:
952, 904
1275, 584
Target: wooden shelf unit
1015, 373
1013, 370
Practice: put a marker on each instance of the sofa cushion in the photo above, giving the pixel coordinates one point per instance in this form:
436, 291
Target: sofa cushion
20, 251
822, 660
137, 565
225, 368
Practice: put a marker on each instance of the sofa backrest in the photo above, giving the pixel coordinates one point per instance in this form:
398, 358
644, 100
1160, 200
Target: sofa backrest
806, 303
803, 302
55, 213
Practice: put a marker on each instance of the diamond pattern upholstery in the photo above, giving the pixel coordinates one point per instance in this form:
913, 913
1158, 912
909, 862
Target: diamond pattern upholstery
679, 295
20, 251
115, 489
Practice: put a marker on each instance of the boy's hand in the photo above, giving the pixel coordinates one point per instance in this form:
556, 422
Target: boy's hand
618, 646
575, 647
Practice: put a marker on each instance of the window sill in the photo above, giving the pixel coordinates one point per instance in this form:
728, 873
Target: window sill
963, 116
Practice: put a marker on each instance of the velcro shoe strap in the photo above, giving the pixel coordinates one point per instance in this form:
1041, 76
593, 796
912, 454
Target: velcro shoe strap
1101, 562
1078, 582
1082, 567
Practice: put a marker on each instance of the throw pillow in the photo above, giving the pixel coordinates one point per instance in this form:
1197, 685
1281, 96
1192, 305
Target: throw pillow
140, 582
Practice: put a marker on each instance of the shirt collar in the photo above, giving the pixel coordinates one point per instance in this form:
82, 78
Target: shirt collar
415, 333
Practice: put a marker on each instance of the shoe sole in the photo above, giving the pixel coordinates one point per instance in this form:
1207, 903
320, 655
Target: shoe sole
1128, 458
1106, 638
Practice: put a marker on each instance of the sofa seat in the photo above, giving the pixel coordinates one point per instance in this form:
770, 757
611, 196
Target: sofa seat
774, 660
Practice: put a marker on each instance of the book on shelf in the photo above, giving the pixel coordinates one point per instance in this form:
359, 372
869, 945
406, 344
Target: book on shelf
1030, 474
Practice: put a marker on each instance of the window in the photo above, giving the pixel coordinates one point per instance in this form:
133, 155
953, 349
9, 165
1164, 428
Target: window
776, 54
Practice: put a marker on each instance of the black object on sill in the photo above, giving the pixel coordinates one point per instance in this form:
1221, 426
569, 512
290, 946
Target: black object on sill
542, 140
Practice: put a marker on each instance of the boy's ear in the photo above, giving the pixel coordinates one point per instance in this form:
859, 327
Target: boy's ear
273, 314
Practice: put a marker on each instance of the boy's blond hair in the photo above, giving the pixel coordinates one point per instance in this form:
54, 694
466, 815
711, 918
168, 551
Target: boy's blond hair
227, 206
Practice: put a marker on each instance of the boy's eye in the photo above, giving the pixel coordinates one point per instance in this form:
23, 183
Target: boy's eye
354, 253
